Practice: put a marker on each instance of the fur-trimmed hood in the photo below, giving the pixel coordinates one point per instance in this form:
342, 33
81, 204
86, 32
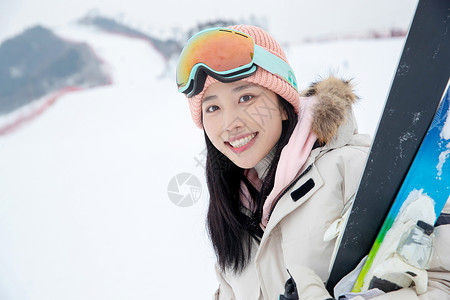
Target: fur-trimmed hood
333, 109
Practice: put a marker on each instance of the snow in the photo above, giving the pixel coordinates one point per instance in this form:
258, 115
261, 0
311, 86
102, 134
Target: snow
417, 206
443, 156
445, 135
370, 63
84, 210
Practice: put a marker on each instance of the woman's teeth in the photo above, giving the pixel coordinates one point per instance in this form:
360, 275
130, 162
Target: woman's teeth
242, 142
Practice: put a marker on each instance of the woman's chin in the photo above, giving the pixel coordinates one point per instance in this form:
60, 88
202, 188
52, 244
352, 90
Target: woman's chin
244, 163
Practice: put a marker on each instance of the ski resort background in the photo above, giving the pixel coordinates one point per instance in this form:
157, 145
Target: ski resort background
92, 200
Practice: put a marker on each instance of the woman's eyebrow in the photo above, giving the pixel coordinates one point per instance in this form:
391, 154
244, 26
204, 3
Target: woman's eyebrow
242, 87
208, 98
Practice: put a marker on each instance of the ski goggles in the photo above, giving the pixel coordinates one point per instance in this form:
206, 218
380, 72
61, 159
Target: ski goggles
227, 55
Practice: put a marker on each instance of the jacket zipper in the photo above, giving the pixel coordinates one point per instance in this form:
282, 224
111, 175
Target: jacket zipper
293, 182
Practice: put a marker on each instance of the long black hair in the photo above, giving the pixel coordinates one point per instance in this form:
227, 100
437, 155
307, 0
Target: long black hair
230, 230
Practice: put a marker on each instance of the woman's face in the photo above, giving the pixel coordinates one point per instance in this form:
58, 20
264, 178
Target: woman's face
242, 120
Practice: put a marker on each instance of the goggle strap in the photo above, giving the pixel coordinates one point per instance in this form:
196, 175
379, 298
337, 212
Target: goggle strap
275, 65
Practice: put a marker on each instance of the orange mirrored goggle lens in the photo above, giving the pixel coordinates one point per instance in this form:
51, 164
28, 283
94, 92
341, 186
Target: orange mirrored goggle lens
221, 50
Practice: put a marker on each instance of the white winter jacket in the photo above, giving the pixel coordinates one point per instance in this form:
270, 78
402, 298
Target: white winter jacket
294, 237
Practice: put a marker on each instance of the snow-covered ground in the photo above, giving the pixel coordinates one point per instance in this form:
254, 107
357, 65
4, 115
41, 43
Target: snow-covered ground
84, 208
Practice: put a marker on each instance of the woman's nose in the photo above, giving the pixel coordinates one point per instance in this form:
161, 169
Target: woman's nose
233, 120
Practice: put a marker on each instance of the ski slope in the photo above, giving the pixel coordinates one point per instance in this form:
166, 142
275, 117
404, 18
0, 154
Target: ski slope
84, 209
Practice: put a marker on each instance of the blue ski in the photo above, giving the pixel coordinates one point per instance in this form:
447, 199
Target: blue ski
422, 196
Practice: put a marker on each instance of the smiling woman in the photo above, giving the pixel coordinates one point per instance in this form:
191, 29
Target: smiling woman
266, 142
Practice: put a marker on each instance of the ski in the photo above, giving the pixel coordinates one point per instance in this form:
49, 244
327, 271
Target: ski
419, 82
421, 198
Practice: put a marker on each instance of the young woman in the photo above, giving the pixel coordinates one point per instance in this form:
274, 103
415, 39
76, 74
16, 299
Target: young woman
282, 166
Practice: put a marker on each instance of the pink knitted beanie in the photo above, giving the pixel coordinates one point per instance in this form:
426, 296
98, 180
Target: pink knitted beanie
261, 77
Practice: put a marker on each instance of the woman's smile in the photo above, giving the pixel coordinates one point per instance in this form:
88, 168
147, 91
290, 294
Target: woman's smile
241, 144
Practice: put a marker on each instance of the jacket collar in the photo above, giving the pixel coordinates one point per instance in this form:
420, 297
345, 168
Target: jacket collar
325, 116
283, 206
334, 124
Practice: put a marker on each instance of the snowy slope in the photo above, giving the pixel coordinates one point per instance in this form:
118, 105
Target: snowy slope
84, 210
369, 63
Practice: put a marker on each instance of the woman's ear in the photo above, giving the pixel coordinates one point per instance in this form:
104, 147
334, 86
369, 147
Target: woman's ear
284, 115
283, 112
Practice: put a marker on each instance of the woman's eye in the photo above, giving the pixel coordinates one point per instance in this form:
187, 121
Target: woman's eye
245, 98
212, 108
